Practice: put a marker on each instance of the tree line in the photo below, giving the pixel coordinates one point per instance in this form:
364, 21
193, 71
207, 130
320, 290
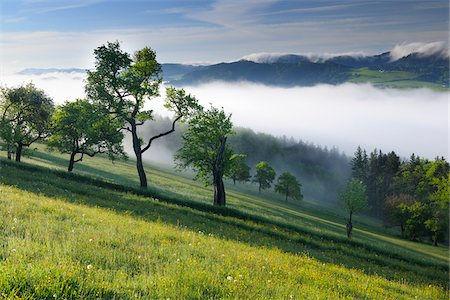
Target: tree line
116, 93
411, 194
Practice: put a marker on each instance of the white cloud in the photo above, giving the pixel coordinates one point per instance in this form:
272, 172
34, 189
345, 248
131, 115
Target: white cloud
60, 86
425, 49
345, 116
272, 57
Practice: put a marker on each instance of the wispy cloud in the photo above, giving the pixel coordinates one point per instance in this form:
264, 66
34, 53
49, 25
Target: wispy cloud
46, 6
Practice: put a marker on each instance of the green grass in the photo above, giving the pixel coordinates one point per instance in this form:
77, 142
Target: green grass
392, 79
53, 225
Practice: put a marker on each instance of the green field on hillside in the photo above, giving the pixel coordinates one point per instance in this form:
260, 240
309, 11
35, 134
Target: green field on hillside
93, 234
392, 79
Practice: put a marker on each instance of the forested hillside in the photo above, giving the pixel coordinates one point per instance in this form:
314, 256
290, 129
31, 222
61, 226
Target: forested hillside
322, 172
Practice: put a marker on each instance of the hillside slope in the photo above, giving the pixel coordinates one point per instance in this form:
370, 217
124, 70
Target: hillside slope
75, 236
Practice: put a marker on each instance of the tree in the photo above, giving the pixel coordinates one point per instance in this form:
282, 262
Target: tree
265, 175
82, 128
397, 208
360, 165
205, 149
25, 117
289, 186
353, 199
122, 85
239, 170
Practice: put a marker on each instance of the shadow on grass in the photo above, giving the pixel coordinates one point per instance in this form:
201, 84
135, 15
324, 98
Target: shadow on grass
225, 223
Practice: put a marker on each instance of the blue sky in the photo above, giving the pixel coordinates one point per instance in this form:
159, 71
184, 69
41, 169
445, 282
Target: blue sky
51, 33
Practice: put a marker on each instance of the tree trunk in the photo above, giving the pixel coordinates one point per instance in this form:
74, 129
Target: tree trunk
286, 197
71, 161
219, 192
349, 226
402, 228
435, 239
138, 153
9, 154
259, 188
219, 188
19, 152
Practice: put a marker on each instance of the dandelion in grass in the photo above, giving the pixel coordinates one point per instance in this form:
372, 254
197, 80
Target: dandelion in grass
229, 278
90, 240
89, 267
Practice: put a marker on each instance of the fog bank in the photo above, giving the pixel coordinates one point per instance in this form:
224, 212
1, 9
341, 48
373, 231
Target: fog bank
344, 116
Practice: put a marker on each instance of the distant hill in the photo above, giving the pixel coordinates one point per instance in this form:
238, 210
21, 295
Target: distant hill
415, 70
412, 71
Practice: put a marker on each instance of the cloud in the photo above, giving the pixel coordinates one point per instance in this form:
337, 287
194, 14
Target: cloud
425, 49
60, 86
273, 57
345, 116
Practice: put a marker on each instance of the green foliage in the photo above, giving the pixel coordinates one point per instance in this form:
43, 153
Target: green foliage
265, 175
122, 85
138, 245
289, 186
239, 170
202, 143
81, 127
25, 114
354, 197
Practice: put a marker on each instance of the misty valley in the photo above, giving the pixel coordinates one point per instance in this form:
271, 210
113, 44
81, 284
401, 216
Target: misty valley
277, 176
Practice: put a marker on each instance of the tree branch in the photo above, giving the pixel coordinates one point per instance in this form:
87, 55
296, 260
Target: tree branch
161, 134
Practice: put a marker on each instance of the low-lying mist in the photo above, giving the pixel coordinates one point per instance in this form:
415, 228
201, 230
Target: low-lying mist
343, 116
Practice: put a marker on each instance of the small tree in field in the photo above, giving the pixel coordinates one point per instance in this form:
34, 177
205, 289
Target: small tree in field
265, 175
24, 117
289, 186
205, 149
81, 128
122, 84
239, 170
353, 199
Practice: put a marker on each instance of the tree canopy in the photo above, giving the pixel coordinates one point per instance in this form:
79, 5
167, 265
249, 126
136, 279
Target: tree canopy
83, 128
122, 85
288, 185
353, 199
25, 117
265, 175
239, 170
205, 149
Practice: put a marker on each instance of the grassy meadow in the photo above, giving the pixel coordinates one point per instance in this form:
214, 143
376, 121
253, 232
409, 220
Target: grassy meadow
393, 79
93, 234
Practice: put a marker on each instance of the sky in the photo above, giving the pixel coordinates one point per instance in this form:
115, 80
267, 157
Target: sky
63, 33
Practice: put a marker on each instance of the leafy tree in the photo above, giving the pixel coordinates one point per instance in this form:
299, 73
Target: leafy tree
289, 186
205, 149
353, 199
239, 170
415, 225
265, 175
122, 85
438, 222
25, 117
397, 208
82, 128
